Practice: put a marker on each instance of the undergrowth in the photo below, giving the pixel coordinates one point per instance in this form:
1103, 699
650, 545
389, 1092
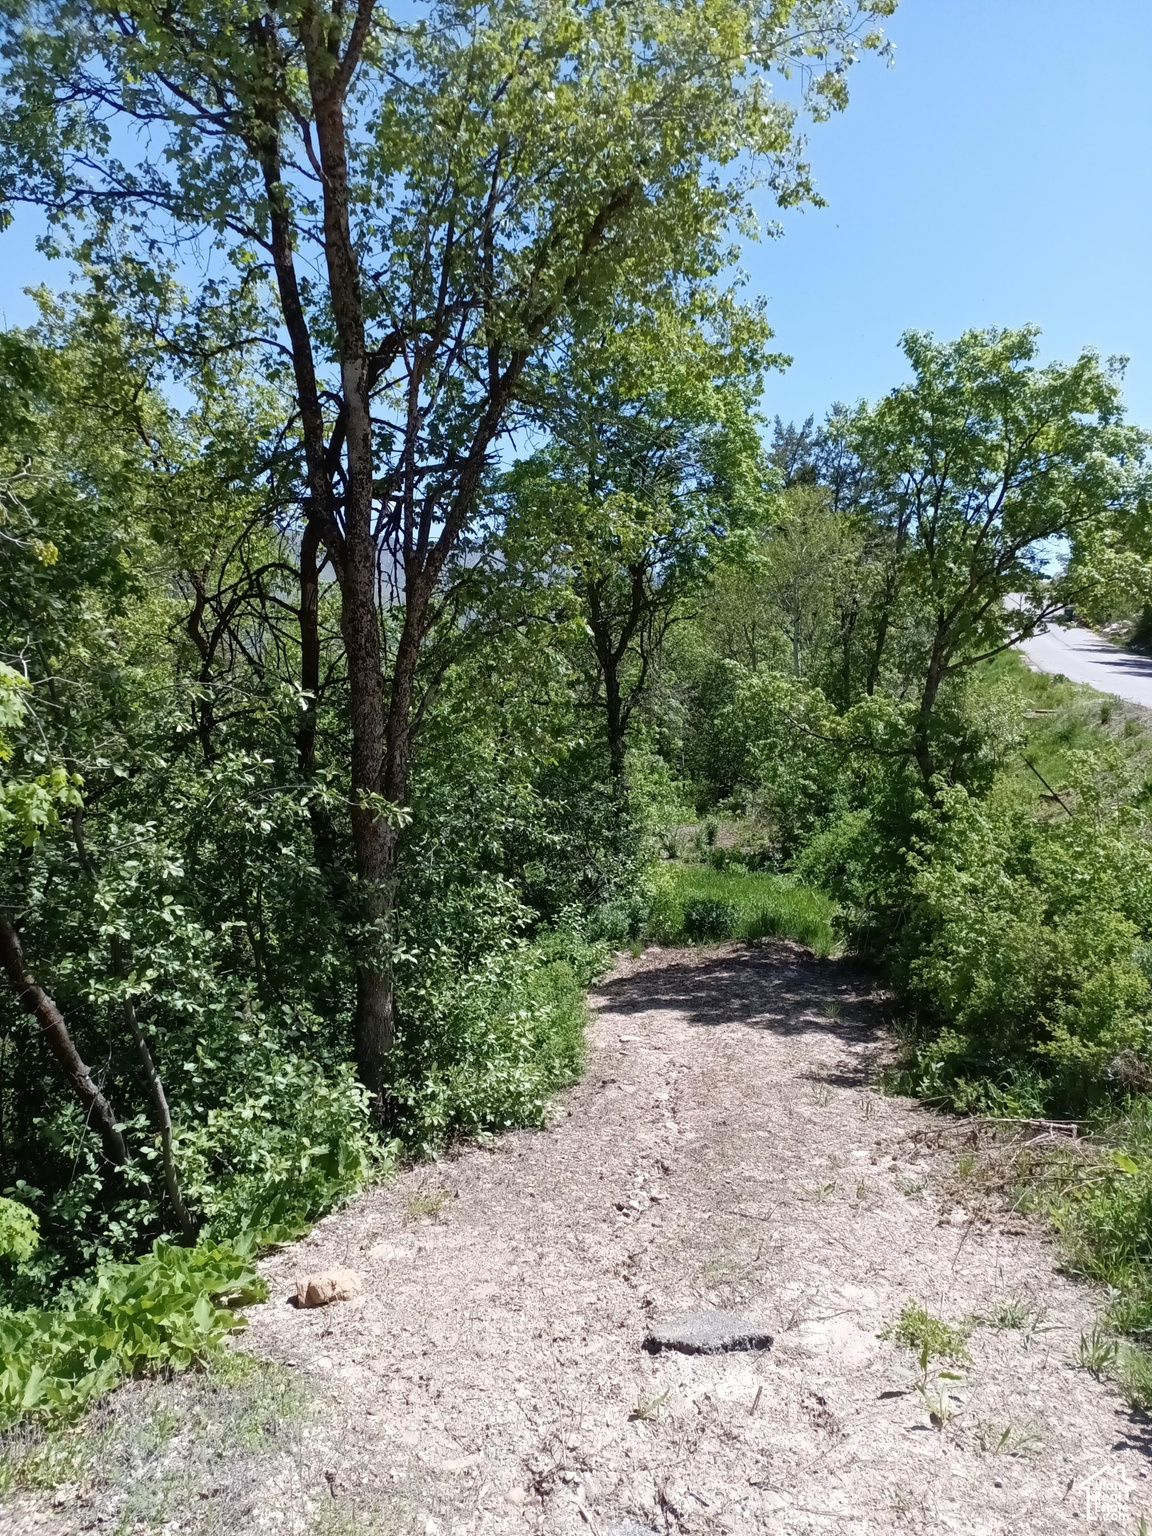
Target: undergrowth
170, 1309
698, 903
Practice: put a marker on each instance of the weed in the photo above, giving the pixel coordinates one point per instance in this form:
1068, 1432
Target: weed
818, 1192
821, 1096
649, 1408
337, 1517
905, 1504
832, 1010
735, 1264
42, 1459
168, 1453
1133, 1377
995, 1440
1097, 1352
912, 1189
427, 1205
931, 1337
966, 1165
938, 1399
1015, 1313
861, 1189
868, 1106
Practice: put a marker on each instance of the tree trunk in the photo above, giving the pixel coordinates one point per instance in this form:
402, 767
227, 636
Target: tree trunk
55, 1033
159, 1099
877, 652
921, 740
617, 740
374, 838
309, 646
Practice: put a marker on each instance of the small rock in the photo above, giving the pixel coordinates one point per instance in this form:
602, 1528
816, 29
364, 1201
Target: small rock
706, 1333
627, 1528
326, 1286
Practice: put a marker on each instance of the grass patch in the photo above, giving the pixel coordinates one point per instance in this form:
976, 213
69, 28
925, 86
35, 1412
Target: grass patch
428, 1204
930, 1337
1102, 1207
1017, 1313
1062, 719
193, 1452
696, 903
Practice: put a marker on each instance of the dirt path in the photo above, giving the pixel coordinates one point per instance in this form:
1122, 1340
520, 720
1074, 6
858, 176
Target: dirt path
726, 1148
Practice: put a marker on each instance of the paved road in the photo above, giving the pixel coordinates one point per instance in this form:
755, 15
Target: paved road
1085, 658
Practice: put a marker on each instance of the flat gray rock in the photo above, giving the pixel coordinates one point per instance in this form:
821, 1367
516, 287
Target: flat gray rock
706, 1333
626, 1528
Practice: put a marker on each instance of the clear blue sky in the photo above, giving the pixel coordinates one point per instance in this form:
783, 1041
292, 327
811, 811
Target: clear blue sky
999, 172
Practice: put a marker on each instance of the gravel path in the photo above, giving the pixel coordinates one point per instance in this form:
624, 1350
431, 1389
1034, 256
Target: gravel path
727, 1148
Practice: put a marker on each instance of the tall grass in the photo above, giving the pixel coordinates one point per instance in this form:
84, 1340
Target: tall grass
695, 903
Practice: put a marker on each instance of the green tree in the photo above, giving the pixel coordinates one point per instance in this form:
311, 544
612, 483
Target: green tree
808, 567
652, 469
975, 468
429, 201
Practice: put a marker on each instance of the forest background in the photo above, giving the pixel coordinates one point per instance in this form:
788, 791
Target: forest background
394, 562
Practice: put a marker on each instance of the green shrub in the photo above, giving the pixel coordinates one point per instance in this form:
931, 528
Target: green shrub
291, 1146
617, 922
168, 1309
512, 1032
707, 918
19, 1230
1103, 1210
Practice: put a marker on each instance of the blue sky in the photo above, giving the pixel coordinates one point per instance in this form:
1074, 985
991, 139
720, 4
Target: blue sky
999, 172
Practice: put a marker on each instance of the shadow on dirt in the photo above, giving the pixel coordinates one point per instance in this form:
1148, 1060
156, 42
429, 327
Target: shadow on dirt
776, 987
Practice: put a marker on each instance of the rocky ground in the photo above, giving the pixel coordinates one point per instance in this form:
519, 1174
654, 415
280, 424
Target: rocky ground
728, 1148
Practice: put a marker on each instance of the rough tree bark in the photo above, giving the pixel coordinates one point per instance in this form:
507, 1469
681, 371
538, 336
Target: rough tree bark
373, 836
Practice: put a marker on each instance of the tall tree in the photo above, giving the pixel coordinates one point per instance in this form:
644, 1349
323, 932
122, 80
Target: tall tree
429, 201
653, 464
975, 468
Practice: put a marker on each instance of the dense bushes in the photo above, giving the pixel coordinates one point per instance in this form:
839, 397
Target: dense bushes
510, 1033
1023, 947
176, 859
